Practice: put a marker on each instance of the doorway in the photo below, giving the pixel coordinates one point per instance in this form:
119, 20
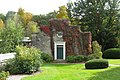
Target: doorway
59, 51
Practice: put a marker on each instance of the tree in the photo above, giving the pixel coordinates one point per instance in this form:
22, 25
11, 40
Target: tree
11, 34
44, 19
101, 17
2, 17
31, 28
25, 16
1, 24
10, 14
62, 13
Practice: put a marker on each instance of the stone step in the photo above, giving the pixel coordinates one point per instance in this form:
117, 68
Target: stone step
59, 61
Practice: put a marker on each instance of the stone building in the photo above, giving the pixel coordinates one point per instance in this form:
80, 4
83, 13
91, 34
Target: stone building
60, 40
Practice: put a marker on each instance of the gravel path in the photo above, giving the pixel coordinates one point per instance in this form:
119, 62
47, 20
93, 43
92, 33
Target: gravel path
19, 77
16, 77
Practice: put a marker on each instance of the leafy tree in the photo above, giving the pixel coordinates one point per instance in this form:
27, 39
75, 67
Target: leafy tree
11, 34
25, 16
101, 17
1, 24
31, 28
62, 13
44, 19
2, 17
10, 14
70, 15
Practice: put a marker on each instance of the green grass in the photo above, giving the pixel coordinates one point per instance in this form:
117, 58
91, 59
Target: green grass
76, 72
114, 61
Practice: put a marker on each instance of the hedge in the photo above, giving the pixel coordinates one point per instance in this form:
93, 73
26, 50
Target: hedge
76, 58
96, 64
113, 53
46, 57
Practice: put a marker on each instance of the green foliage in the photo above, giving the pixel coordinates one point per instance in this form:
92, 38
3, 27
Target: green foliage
118, 40
2, 16
27, 60
101, 17
91, 56
96, 64
62, 13
25, 16
97, 53
31, 28
44, 19
112, 53
11, 35
77, 58
46, 57
10, 14
1, 24
4, 75
70, 59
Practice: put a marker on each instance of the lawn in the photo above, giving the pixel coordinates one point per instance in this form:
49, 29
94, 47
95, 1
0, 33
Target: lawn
76, 72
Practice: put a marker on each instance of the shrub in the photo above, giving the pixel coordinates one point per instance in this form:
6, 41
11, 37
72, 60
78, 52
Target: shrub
46, 57
90, 57
96, 64
27, 60
77, 58
97, 53
113, 53
4, 75
70, 59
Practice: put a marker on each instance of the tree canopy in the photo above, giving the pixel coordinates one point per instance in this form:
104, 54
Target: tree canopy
101, 17
62, 13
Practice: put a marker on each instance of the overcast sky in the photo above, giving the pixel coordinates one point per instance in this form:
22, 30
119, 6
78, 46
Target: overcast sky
33, 6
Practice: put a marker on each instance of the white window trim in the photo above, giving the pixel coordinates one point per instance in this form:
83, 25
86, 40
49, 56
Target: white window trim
55, 49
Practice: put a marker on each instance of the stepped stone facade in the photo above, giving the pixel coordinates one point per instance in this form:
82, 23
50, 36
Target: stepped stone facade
76, 42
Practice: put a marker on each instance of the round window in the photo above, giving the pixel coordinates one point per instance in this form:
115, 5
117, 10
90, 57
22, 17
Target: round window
60, 34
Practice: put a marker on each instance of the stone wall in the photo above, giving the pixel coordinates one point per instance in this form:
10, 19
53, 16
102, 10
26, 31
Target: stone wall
42, 42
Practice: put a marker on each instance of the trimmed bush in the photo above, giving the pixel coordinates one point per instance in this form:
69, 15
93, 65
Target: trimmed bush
70, 59
4, 75
46, 57
27, 60
96, 64
77, 58
113, 53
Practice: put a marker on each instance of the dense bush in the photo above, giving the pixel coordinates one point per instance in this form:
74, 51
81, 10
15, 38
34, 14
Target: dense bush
11, 35
46, 57
96, 64
70, 59
4, 75
97, 53
27, 60
113, 53
90, 57
77, 58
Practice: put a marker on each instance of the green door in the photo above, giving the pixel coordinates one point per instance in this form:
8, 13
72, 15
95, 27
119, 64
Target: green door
59, 51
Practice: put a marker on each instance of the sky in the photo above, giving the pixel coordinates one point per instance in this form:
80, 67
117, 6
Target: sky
33, 6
